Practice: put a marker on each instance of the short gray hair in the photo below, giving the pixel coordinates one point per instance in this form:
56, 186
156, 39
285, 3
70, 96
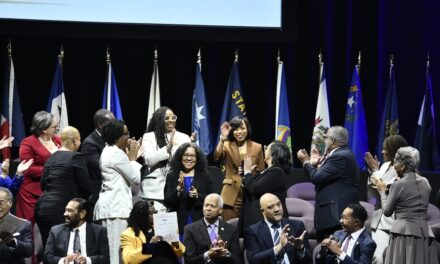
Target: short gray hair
340, 134
41, 121
409, 157
8, 194
218, 197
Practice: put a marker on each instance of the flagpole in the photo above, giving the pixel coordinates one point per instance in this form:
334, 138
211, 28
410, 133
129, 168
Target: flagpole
277, 98
11, 87
359, 63
109, 80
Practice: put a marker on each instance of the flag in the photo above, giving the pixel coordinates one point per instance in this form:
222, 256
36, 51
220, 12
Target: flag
322, 116
233, 105
355, 120
110, 100
11, 121
282, 125
389, 124
154, 99
57, 100
426, 141
201, 124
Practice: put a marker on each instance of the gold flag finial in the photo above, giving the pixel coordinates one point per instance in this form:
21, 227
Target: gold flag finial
359, 58
236, 55
392, 59
279, 55
199, 56
108, 55
61, 55
9, 47
156, 54
320, 57
427, 61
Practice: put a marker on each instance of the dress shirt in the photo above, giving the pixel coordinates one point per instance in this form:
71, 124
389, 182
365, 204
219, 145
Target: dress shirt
353, 239
82, 238
209, 230
272, 232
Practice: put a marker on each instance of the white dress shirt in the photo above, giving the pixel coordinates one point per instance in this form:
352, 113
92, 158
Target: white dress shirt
272, 232
82, 239
353, 239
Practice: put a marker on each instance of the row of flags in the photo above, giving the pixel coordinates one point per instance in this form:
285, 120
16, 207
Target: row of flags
234, 105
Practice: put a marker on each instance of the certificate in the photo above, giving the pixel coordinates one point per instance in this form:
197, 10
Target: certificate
165, 225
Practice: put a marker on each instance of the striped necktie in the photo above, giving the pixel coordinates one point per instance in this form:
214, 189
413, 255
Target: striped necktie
276, 240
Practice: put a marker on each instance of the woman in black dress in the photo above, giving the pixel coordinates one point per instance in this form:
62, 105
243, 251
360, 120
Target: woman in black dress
187, 184
65, 176
272, 180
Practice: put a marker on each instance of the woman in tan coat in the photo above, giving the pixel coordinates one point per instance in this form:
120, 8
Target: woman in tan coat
234, 146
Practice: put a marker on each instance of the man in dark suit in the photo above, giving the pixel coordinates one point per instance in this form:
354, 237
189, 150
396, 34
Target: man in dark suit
210, 240
275, 240
336, 178
92, 148
66, 242
352, 244
15, 244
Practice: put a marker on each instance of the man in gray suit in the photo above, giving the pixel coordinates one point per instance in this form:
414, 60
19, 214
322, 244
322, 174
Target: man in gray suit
210, 240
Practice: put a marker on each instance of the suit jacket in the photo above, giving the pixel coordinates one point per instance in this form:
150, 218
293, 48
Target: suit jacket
197, 242
272, 180
131, 246
337, 185
24, 246
118, 174
183, 204
259, 244
232, 161
362, 251
96, 244
92, 148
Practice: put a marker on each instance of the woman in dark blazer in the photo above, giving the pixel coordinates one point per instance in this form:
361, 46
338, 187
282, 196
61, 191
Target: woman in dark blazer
187, 184
272, 180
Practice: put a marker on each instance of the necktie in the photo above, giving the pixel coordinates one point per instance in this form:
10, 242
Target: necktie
213, 234
76, 242
347, 243
276, 240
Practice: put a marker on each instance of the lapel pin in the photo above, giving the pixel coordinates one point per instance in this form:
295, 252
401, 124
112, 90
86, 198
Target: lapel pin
222, 228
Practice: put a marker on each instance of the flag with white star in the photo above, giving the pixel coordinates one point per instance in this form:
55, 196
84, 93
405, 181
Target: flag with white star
201, 124
355, 120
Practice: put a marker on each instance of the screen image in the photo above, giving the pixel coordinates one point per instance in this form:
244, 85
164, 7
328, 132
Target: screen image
229, 13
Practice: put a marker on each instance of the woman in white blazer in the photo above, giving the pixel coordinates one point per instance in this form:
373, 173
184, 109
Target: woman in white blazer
119, 172
160, 142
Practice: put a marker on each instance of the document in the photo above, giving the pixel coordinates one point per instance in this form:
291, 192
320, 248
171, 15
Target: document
165, 225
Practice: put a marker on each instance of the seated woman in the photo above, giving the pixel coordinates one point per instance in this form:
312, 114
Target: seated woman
187, 184
140, 245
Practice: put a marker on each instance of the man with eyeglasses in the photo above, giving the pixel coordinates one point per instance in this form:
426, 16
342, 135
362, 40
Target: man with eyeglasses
15, 233
275, 240
336, 177
352, 244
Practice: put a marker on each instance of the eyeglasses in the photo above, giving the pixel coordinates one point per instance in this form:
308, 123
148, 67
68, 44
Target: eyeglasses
172, 118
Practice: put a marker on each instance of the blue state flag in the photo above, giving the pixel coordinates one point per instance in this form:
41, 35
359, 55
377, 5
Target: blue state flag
110, 100
233, 104
201, 124
11, 116
355, 120
282, 125
426, 141
57, 100
389, 124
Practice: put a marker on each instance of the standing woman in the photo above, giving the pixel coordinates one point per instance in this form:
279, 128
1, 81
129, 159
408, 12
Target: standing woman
65, 177
411, 238
160, 142
187, 184
234, 145
272, 180
39, 146
119, 172
380, 224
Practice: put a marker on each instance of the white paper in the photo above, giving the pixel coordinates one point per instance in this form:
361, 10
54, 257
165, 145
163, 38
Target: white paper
165, 225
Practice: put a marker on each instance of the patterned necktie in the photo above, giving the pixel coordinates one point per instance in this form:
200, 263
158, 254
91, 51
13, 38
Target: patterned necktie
347, 243
76, 242
213, 234
276, 240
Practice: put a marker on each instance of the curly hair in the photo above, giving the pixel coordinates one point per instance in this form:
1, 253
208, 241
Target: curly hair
157, 125
281, 155
139, 218
112, 131
201, 163
236, 123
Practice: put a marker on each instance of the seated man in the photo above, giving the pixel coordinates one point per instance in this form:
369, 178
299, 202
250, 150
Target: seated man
77, 240
210, 240
274, 239
352, 244
15, 244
